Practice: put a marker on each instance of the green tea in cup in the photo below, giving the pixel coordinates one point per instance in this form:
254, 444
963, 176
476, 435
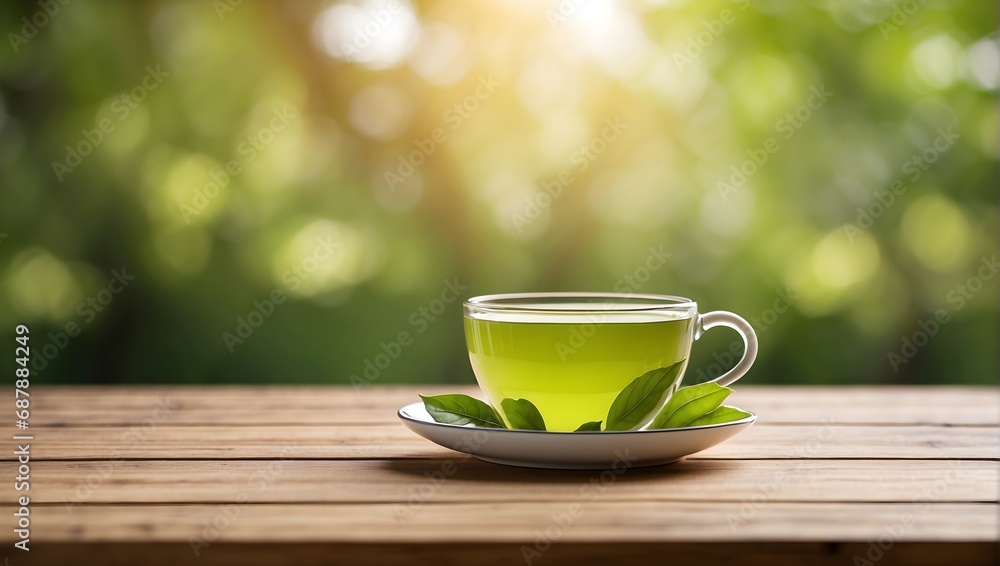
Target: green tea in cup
571, 354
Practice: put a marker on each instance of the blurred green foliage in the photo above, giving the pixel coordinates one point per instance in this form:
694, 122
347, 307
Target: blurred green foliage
218, 145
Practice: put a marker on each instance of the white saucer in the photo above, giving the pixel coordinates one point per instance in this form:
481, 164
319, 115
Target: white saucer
571, 450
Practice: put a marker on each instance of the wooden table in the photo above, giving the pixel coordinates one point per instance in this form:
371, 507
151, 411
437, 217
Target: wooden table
299, 475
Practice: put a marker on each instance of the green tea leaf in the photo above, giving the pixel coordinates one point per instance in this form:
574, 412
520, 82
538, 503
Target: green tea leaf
592, 426
723, 414
641, 397
522, 414
458, 409
691, 403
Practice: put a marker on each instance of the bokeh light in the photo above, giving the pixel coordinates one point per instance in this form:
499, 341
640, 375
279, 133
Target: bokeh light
804, 149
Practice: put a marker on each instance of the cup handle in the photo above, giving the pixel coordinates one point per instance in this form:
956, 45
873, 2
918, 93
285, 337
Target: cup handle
740, 325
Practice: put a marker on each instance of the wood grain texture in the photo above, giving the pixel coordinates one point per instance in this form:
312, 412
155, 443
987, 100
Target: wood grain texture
595, 520
298, 475
395, 442
263, 405
458, 480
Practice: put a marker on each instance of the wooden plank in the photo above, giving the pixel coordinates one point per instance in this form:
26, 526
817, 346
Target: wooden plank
245, 405
395, 442
498, 554
316, 481
587, 520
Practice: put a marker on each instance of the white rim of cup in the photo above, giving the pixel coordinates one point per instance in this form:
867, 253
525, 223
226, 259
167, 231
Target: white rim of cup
619, 302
